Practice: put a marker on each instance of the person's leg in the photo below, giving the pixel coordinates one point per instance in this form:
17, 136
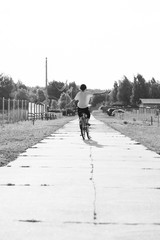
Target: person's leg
80, 115
88, 115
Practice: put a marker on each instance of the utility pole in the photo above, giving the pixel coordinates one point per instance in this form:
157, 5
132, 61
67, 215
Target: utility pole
46, 84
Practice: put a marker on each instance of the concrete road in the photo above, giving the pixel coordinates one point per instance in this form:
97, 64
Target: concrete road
64, 188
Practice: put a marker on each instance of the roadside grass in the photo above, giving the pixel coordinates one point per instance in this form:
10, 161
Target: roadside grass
148, 135
16, 138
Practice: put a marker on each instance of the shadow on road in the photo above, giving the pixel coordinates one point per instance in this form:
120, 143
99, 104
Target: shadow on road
93, 143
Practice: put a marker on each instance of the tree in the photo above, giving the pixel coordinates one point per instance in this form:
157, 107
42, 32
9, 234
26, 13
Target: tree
55, 89
32, 97
148, 90
107, 98
21, 94
7, 86
98, 99
135, 93
154, 89
141, 86
64, 100
54, 104
124, 91
113, 93
73, 89
139, 90
40, 95
20, 85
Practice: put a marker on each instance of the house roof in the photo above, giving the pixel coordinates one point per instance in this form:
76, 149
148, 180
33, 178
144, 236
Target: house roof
149, 101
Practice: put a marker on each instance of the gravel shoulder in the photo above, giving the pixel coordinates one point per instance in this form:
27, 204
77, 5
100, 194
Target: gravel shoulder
147, 135
16, 138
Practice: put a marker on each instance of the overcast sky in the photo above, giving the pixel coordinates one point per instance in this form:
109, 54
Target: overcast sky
94, 42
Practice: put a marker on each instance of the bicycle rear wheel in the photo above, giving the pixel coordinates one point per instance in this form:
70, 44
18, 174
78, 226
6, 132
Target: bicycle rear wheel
83, 132
87, 132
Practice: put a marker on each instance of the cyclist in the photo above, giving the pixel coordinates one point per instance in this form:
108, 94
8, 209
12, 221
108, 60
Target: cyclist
83, 98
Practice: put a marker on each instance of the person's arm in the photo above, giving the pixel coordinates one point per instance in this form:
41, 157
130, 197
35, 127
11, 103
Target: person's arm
96, 93
99, 93
91, 95
75, 101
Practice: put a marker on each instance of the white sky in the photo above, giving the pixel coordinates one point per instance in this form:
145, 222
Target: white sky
94, 42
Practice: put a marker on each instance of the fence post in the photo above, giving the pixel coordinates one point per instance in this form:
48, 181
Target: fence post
25, 106
145, 114
14, 107
20, 113
22, 118
39, 111
3, 111
151, 120
33, 115
137, 115
34, 110
18, 109
29, 110
8, 110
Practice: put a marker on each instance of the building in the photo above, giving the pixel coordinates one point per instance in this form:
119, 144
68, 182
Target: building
149, 103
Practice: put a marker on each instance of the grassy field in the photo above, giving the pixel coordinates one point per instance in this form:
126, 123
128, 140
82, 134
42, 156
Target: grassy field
16, 138
148, 135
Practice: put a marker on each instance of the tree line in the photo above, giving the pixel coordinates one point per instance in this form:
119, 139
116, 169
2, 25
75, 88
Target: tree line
19, 91
129, 93
59, 94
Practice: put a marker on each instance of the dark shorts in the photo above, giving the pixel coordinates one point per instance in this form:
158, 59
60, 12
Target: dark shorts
84, 110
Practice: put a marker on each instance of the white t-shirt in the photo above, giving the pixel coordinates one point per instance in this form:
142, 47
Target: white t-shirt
83, 99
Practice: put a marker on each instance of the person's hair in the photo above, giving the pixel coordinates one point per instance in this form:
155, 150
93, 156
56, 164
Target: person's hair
83, 87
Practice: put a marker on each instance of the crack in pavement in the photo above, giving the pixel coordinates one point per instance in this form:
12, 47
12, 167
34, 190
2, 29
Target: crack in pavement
25, 185
94, 186
115, 223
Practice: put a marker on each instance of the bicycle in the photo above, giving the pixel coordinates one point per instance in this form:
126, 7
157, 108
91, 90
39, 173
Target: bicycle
84, 126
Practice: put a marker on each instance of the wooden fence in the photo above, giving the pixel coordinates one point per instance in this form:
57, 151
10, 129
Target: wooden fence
147, 116
12, 110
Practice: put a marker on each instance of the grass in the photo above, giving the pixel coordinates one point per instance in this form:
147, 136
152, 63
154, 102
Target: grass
16, 138
148, 135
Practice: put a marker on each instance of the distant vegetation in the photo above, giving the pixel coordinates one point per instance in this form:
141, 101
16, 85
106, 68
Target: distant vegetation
57, 92
128, 93
60, 94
